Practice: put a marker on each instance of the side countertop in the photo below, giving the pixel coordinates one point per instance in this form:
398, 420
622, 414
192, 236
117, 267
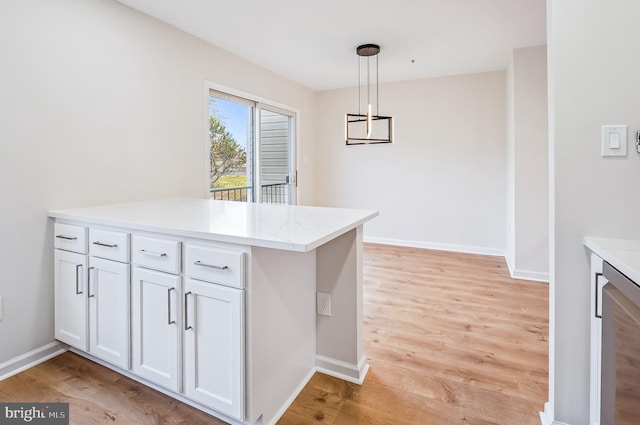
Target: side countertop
622, 254
287, 227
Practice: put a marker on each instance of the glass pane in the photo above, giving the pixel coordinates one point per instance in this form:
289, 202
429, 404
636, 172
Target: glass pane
231, 156
275, 157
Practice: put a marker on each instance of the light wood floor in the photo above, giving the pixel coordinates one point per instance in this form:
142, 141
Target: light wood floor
450, 338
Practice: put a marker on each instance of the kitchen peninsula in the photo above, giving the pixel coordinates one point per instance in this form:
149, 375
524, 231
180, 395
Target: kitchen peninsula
213, 302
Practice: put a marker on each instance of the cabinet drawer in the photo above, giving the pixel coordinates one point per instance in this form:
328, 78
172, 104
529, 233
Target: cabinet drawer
70, 237
217, 265
157, 254
109, 244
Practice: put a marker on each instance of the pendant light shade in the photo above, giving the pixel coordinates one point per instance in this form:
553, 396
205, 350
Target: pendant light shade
367, 128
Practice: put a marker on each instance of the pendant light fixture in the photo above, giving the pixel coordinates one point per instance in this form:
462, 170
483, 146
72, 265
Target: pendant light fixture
367, 128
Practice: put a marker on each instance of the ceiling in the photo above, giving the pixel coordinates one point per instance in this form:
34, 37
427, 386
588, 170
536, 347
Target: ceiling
314, 42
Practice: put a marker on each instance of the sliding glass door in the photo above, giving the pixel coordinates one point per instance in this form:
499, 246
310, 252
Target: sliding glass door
276, 174
231, 136
251, 147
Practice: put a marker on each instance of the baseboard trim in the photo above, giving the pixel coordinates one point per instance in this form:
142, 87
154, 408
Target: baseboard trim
528, 275
32, 358
510, 267
293, 396
343, 370
525, 274
437, 246
546, 417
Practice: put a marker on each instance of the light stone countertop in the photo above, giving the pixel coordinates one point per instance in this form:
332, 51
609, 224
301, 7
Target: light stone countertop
623, 254
287, 227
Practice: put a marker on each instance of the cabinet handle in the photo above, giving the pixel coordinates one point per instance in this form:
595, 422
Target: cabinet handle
154, 254
69, 238
169, 321
89, 282
78, 291
598, 316
211, 266
186, 311
108, 245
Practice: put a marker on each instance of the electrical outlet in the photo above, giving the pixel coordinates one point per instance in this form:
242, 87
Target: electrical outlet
323, 300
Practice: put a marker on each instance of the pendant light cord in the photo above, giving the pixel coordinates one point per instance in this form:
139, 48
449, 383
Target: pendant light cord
359, 84
377, 89
368, 83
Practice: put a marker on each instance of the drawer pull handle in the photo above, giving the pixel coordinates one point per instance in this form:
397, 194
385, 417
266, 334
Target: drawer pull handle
598, 316
154, 254
169, 321
78, 291
211, 266
186, 311
108, 245
69, 238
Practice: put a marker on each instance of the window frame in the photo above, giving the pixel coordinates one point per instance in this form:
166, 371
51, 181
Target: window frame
260, 103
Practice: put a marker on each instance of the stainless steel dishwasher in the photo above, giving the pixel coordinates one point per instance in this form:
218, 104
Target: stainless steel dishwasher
620, 350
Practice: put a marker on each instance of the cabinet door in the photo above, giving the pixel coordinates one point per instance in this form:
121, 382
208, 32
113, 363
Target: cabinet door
155, 316
109, 311
214, 351
70, 284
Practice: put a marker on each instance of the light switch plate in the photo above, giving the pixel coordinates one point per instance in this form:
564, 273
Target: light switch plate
614, 140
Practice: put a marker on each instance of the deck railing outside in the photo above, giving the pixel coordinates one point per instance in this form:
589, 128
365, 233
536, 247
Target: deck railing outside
232, 194
276, 193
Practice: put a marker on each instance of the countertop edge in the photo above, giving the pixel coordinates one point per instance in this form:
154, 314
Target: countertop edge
217, 237
611, 254
341, 231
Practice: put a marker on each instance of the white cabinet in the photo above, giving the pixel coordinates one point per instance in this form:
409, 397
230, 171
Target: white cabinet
156, 314
213, 346
108, 293
70, 283
214, 264
156, 326
189, 340
109, 244
156, 254
109, 296
70, 237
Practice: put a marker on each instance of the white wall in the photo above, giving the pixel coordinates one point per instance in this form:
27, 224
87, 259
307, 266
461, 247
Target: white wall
100, 104
527, 164
442, 182
594, 81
